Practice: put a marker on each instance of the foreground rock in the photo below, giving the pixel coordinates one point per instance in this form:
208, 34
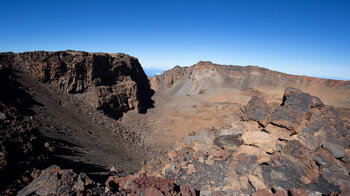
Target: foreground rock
258, 110
113, 83
152, 185
57, 181
300, 146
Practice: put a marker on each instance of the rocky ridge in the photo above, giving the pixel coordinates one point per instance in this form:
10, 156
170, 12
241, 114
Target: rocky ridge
297, 147
41, 121
207, 76
115, 83
299, 144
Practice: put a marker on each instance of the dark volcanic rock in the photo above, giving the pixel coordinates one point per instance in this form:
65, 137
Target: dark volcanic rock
296, 106
303, 148
21, 147
258, 110
55, 181
305, 99
117, 82
20, 150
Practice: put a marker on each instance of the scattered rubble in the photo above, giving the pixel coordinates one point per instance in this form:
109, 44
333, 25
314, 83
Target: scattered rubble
57, 181
21, 148
54, 180
300, 146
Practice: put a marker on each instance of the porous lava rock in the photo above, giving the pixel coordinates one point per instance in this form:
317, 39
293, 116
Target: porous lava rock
257, 110
296, 107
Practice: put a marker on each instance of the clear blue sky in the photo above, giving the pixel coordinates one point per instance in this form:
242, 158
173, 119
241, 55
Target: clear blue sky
306, 37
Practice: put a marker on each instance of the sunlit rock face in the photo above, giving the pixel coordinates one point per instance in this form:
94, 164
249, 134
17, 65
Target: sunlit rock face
116, 83
206, 76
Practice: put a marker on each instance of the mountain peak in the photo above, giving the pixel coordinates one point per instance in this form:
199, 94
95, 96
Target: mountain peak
204, 65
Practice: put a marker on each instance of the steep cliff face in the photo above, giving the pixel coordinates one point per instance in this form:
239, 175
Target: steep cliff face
115, 83
205, 76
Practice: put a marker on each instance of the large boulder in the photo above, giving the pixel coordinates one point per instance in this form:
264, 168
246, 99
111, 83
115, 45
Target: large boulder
296, 107
300, 145
55, 181
257, 110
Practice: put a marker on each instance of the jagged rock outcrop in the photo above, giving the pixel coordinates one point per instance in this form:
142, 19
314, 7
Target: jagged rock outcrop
115, 83
57, 181
207, 76
300, 145
258, 110
296, 106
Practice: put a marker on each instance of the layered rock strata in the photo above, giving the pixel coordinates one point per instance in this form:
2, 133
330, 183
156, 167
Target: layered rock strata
115, 83
206, 77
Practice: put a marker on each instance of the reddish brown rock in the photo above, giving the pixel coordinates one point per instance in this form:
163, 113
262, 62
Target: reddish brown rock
267, 192
117, 81
265, 141
210, 76
279, 132
299, 192
54, 180
308, 155
262, 192
254, 151
147, 186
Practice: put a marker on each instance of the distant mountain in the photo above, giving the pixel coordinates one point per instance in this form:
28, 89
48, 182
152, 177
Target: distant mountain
207, 76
